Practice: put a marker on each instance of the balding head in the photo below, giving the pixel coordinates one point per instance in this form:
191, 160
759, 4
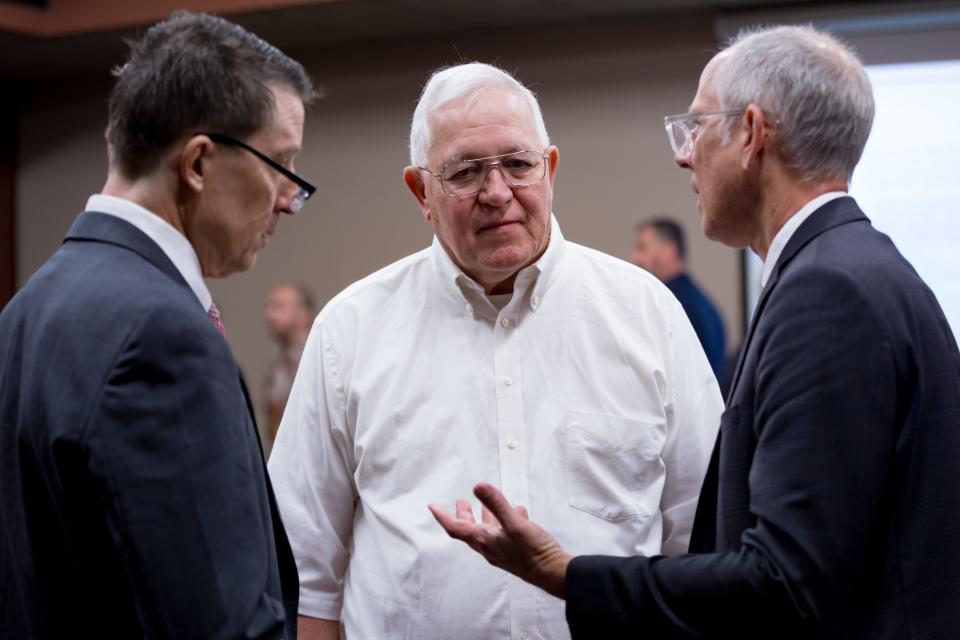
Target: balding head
807, 82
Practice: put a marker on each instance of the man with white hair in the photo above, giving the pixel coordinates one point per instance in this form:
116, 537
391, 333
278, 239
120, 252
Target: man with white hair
570, 378
831, 508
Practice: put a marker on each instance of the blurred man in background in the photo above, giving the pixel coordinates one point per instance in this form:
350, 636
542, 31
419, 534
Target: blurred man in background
659, 247
134, 497
288, 314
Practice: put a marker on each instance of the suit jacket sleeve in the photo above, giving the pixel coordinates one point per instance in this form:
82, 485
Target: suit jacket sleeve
171, 446
824, 421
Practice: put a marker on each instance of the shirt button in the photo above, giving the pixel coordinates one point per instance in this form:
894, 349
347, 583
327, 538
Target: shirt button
505, 322
469, 309
523, 635
508, 381
534, 302
512, 444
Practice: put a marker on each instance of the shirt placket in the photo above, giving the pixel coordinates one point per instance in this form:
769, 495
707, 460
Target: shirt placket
512, 454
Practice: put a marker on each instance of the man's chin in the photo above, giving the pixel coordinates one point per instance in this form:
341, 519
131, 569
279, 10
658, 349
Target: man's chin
507, 262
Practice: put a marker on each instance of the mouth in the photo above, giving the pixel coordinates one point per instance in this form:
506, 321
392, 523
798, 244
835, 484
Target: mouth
503, 225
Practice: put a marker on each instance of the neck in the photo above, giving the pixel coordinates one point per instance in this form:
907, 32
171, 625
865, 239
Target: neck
497, 288
149, 192
783, 203
669, 272
293, 338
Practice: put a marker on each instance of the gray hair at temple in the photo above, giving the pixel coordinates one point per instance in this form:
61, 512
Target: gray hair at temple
461, 81
813, 85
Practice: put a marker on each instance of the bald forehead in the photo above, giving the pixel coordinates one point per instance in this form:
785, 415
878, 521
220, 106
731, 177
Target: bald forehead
705, 90
489, 103
489, 106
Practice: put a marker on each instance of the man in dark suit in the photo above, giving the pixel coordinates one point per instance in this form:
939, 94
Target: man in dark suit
831, 508
660, 248
134, 495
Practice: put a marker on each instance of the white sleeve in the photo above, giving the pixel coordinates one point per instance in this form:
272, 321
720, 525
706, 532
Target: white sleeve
311, 468
694, 406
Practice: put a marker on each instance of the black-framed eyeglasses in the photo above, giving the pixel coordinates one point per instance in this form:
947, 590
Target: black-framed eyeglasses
682, 126
466, 177
306, 189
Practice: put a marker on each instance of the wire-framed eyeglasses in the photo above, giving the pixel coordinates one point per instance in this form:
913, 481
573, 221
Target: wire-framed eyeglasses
306, 189
682, 127
466, 177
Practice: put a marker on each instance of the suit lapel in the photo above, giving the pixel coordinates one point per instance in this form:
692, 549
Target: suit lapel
830, 215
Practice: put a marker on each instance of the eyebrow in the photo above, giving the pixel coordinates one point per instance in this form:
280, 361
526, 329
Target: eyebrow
463, 156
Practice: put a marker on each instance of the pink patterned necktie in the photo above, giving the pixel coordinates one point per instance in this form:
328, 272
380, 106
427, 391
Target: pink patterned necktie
214, 314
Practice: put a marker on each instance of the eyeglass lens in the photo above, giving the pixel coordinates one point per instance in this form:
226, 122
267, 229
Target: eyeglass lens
679, 134
519, 169
297, 203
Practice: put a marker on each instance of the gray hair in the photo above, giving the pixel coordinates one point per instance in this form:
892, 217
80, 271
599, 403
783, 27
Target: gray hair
461, 81
813, 85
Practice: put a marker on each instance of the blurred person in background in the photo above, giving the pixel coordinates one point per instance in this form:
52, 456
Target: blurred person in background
288, 313
659, 247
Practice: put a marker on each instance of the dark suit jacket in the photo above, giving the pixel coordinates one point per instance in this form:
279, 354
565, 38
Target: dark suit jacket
133, 492
704, 318
831, 508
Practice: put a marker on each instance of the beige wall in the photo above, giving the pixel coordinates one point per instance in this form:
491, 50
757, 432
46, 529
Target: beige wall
604, 90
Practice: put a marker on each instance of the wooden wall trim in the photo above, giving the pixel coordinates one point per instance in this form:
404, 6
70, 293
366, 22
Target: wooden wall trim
68, 17
9, 119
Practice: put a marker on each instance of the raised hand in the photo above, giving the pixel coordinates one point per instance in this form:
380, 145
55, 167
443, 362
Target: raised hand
507, 538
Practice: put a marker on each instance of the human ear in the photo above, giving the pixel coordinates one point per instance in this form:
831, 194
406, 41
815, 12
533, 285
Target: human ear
413, 178
194, 162
754, 126
553, 155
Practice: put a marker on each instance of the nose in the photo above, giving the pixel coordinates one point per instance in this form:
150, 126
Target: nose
495, 190
682, 161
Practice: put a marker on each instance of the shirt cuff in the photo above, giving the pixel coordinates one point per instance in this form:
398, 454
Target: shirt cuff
320, 605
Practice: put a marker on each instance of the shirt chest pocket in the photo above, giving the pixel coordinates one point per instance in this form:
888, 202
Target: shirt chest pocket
613, 465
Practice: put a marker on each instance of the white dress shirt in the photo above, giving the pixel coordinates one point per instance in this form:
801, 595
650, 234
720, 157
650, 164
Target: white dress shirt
173, 243
587, 398
790, 227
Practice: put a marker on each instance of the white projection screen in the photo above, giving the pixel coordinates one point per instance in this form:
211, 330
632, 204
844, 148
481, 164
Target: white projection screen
908, 181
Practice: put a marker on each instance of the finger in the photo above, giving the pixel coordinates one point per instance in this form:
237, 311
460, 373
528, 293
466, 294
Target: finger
441, 515
465, 530
522, 512
488, 517
465, 511
498, 504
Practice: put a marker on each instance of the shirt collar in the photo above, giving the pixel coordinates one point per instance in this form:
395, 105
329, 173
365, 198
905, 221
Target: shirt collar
171, 242
789, 228
466, 292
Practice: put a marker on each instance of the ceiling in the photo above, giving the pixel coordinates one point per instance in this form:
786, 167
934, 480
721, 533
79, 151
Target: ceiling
69, 36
